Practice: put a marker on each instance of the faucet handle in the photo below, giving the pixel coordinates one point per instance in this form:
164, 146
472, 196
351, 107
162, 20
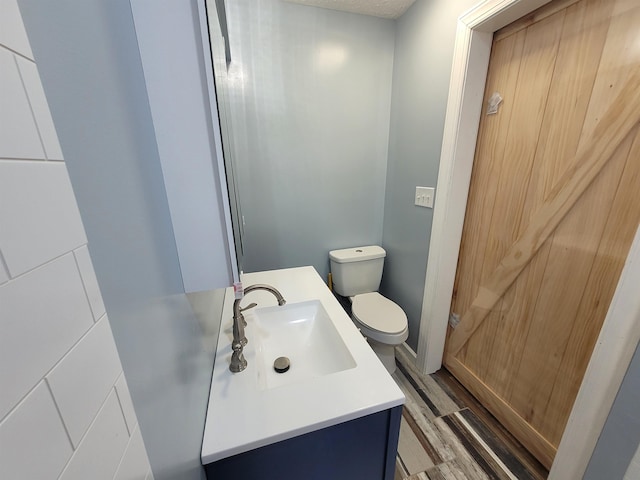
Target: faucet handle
244, 322
251, 305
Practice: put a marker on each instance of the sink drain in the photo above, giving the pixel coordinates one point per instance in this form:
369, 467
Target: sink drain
281, 364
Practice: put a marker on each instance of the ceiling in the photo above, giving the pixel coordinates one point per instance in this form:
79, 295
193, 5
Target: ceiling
377, 8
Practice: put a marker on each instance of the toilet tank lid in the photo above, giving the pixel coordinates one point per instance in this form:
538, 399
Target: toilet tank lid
357, 254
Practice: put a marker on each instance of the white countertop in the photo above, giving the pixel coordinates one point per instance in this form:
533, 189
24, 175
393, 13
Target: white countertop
241, 416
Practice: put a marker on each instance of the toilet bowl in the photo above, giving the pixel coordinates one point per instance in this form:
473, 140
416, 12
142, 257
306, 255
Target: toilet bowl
382, 322
356, 274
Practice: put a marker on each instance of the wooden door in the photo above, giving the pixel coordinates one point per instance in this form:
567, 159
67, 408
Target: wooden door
553, 206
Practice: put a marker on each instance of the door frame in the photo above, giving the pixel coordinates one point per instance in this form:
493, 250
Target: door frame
615, 346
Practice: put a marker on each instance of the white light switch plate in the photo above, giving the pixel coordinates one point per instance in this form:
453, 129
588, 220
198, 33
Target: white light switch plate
424, 196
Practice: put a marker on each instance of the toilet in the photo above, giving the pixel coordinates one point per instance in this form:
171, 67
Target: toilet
356, 274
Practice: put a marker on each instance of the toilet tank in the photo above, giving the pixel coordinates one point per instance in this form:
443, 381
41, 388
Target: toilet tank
357, 270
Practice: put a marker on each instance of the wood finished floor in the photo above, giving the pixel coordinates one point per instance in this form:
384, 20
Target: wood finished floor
446, 434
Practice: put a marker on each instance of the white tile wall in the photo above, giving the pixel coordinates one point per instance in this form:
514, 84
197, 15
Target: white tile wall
45, 222
12, 33
134, 465
39, 106
18, 135
34, 429
102, 448
44, 313
65, 409
4, 276
83, 378
122, 389
90, 281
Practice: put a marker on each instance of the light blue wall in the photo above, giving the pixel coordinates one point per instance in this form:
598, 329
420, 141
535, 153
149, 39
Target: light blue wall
309, 92
620, 436
91, 70
422, 67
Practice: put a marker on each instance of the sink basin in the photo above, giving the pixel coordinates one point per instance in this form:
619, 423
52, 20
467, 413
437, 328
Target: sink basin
302, 332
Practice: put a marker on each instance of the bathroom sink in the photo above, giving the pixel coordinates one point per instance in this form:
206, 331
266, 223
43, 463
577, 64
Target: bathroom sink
334, 375
304, 333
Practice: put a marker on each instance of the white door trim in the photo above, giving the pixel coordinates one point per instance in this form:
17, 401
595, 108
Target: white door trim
605, 372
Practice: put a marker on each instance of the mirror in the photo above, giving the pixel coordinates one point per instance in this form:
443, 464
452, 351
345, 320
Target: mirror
304, 96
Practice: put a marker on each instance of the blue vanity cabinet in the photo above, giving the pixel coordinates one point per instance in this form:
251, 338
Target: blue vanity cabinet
364, 448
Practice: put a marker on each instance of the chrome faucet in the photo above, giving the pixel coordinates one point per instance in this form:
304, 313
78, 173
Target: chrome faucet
238, 362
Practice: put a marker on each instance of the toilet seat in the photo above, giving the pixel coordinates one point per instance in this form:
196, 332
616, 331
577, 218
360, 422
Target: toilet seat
379, 314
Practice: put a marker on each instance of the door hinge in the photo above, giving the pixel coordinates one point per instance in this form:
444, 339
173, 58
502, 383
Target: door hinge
454, 319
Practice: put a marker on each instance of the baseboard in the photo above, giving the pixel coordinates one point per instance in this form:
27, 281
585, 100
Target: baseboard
408, 351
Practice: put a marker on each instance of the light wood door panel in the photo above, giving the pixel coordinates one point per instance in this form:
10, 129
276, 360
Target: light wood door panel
551, 214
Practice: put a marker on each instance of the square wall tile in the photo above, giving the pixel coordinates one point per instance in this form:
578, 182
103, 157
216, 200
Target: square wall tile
84, 377
40, 108
122, 389
12, 32
33, 443
44, 313
18, 136
38, 213
90, 281
100, 452
135, 464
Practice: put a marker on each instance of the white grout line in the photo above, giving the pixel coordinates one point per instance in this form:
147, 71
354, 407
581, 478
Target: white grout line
130, 430
83, 281
64, 424
31, 109
15, 52
486, 447
4, 266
